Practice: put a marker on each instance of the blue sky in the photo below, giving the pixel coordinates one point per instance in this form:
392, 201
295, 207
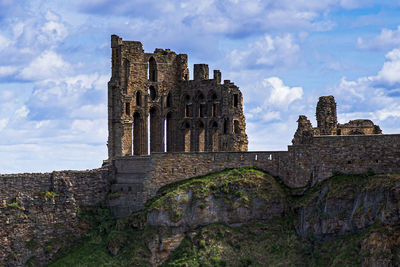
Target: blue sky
55, 65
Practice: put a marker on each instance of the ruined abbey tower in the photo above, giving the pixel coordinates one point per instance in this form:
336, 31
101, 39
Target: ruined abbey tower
153, 104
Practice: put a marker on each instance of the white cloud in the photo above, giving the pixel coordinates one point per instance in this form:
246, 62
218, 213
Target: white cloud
7, 70
48, 65
390, 72
386, 39
3, 124
4, 42
373, 97
281, 95
267, 52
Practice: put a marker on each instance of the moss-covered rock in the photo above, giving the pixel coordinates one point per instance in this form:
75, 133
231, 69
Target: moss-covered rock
245, 217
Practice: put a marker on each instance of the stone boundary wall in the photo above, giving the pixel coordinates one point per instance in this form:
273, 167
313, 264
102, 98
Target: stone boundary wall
88, 187
35, 224
140, 177
172, 167
297, 167
355, 154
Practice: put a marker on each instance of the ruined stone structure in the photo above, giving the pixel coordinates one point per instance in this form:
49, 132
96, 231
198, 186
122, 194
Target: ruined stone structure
200, 124
151, 93
327, 124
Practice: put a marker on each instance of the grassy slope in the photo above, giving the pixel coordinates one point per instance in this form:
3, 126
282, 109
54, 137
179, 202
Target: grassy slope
274, 243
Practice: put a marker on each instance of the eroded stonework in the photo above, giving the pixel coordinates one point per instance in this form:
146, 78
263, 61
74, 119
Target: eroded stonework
152, 101
327, 124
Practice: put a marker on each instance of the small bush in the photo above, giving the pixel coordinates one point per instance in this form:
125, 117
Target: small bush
202, 244
48, 195
31, 244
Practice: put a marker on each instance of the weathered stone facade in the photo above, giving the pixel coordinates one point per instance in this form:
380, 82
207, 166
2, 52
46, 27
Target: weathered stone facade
152, 93
327, 124
38, 212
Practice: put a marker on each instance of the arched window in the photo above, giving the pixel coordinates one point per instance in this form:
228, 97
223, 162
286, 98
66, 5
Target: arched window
225, 126
156, 138
169, 100
202, 105
152, 93
168, 133
188, 107
235, 100
236, 126
138, 98
138, 128
127, 73
214, 104
127, 108
152, 70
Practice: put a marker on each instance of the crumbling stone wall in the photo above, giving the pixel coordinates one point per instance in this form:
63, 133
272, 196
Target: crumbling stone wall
326, 115
327, 124
38, 212
153, 91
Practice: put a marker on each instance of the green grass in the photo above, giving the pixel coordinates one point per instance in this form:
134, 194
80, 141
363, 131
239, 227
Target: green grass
15, 206
48, 195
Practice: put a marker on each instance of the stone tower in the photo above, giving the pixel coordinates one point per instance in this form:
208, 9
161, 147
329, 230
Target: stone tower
326, 115
154, 107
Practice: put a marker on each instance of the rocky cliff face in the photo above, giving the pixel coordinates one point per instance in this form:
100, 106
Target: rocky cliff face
244, 217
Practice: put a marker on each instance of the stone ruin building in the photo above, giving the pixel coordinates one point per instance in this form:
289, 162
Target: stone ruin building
327, 124
152, 103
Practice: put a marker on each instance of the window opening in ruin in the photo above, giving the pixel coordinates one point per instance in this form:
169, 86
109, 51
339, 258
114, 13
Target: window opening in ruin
138, 99
127, 73
169, 100
235, 100
156, 137
187, 106
202, 110
256, 157
152, 73
339, 132
236, 126
202, 105
138, 128
214, 110
225, 126
152, 93
270, 157
187, 110
168, 133
214, 104
186, 135
127, 109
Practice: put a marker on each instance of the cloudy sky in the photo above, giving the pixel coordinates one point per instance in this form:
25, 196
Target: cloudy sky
55, 65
